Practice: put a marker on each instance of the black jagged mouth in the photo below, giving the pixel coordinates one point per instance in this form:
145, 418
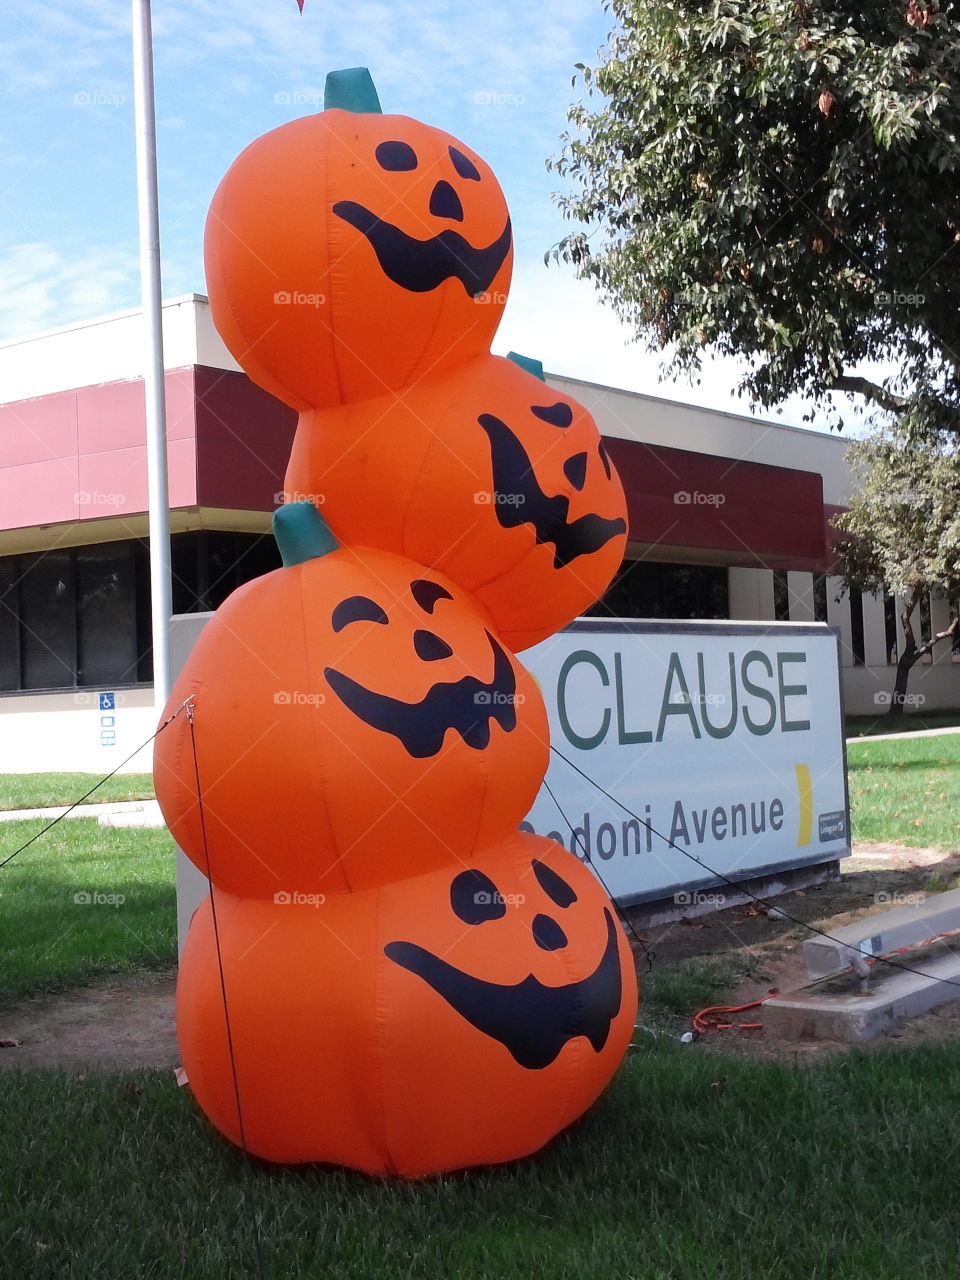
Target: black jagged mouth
422, 265
468, 706
514, 477
532, 1021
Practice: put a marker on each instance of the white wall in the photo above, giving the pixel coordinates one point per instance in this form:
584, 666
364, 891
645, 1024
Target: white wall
634, 416
109, 349
750, 594
68, 732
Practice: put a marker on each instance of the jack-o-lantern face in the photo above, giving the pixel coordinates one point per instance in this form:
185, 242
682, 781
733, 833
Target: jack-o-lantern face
356, 720
421, 263
454, 1019
467, 705
485, 473
531, 1020
348, 253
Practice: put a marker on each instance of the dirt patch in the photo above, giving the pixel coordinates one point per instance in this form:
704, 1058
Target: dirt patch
123, 1024
120, 1024
872, 881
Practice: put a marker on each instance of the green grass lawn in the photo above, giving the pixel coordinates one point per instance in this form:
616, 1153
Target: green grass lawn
867, 726
39, 790
906, 791
50, 939
693, 1167
690, 1168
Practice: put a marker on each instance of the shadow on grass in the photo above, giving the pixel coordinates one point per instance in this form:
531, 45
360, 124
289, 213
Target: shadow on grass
688, 1169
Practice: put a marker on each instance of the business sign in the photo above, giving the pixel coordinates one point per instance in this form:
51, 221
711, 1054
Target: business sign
686, 753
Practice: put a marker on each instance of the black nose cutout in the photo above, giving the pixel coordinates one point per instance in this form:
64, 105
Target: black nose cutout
575, 469
430, 648
547, 934
445, 203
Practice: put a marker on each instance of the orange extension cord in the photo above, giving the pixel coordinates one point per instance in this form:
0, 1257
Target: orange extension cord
715, 1017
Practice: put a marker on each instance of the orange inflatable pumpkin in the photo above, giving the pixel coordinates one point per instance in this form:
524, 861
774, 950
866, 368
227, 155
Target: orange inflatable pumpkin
456, 1019
356, 720
349, 253
412, 985
484, 473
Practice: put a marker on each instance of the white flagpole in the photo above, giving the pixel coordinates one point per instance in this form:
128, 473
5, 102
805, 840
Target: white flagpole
158, 507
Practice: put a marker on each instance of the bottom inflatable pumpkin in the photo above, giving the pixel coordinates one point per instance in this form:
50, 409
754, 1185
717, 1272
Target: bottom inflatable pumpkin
453, 1019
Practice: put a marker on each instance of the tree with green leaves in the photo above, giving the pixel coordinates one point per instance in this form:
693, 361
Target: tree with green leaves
901, 532
780, 180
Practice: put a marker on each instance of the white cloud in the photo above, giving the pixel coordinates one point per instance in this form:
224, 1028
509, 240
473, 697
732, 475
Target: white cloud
40, 288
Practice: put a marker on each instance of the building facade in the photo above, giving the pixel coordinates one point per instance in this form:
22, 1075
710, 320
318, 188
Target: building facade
729, 517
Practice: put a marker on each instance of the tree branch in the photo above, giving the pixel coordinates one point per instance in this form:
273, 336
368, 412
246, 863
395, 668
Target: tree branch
944, 635
871, 391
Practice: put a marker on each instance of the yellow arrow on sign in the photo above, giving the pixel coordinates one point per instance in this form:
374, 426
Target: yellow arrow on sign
805, 789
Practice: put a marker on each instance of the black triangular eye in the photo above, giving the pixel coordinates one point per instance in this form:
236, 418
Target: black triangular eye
427, 593
601, 449
430, 648
553, 886
357, 609
464, 166
575, 469
558, 415
475, 898
396, 157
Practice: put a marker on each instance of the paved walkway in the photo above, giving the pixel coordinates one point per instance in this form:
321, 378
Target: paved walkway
151, 810
83, 810
913, 733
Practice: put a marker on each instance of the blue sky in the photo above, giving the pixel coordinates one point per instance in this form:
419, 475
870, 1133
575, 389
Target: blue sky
497, 74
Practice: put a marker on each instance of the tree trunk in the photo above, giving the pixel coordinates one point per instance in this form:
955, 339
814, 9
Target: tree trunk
912, 652
905, 665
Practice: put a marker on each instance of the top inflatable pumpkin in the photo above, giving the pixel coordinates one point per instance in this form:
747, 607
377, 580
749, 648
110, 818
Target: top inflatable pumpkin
350, 252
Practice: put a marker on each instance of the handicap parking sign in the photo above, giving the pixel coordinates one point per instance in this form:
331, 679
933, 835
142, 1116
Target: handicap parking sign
108, 701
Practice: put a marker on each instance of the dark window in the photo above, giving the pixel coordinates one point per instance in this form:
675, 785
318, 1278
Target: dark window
141, 585
184, 567
820, 609
781, 596
856, 627
48, 631
9, 626
209, 565
926, 628
890, 625
106, 615
648, 589
81, 618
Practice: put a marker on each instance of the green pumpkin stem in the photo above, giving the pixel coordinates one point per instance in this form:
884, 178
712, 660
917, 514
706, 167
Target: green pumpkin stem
352, 90
301, 533
528, 364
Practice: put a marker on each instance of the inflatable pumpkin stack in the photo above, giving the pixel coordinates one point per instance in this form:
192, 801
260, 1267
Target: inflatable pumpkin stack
409, 983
